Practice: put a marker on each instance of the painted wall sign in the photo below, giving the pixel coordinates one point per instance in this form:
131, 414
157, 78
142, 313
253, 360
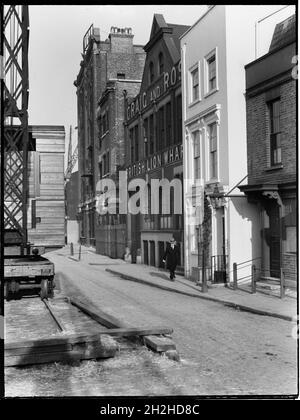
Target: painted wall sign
173, 154
143, 99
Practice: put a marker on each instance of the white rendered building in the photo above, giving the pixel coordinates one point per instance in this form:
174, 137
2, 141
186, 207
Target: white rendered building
214, 52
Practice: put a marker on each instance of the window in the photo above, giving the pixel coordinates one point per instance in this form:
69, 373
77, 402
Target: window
195, 239
131, 140
275, 144
104, 164
136, 142
160, 63
211, 72
107, 121
197, 162
212, 80
151, 72
195, 84
107, 163
151, 135
100, 170
213, 159
146, 135
103, 124
161, 129
168, 124
120, 75
100, 125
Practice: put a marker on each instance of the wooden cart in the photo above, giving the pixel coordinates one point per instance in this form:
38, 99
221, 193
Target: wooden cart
28, 272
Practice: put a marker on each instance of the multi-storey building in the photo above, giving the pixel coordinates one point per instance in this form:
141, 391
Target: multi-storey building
214, 143
271, 146
154, 143
123, 79
114, 59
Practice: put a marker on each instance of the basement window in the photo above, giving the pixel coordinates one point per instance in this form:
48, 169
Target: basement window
121, 76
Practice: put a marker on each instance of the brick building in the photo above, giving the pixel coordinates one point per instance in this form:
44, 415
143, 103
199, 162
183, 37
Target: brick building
154, 143
271, 148
104, 64
111, 228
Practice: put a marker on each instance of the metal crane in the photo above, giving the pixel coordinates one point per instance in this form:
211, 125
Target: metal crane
14, 92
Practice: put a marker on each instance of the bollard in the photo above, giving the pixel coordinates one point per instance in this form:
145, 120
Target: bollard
79, 255
282, 284
204, 280
253, 279
71, 248
234, 276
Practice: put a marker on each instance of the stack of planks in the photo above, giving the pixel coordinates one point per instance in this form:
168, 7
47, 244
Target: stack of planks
85, 333
46, 208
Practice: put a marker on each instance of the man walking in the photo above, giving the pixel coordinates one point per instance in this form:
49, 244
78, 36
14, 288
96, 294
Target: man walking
172, 257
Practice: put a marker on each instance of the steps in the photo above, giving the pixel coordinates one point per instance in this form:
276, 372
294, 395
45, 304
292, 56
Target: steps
270, 286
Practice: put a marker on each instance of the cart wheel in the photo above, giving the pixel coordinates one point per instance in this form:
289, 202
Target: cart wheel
44, 289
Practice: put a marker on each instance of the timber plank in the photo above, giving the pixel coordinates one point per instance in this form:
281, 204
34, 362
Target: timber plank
159, 344
70, 339
16, 351
96, 314
52, 341
86, 350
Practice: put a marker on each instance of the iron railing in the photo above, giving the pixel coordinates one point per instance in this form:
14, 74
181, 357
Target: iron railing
257, 275
218, 267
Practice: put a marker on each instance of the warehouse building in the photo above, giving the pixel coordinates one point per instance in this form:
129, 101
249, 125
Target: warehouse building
154, 142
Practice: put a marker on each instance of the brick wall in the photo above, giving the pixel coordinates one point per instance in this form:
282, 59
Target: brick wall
258, 136
290, 266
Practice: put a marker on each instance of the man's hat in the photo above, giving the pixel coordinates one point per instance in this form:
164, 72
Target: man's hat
172, 240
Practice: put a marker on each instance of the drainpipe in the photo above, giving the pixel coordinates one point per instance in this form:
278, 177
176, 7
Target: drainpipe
185, 165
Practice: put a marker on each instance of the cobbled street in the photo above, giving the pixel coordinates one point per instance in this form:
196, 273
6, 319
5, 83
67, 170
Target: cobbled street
222, 350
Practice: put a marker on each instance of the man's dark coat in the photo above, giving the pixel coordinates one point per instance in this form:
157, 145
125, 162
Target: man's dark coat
172, 256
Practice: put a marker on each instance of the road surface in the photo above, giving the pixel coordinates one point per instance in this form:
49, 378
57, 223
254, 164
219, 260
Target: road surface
223, 351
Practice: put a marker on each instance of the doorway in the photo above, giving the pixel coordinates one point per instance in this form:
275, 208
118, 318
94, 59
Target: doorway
274, 218
161, 251
152, 253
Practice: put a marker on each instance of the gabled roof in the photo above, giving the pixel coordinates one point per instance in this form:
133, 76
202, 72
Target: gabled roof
284, 33
157, 24
172, 32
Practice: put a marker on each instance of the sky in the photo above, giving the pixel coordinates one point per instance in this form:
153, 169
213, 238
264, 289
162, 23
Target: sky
55, 47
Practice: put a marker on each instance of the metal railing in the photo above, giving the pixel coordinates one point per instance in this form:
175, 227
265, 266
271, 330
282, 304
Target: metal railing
250, 277
218, 267
258, 275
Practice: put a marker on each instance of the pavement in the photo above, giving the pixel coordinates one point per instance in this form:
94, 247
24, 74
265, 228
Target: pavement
258, 303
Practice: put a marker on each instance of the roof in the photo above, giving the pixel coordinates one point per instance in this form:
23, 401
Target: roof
173, 32
178, 30
284, 33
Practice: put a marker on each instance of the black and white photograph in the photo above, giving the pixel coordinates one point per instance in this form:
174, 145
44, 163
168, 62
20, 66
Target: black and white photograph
149, 205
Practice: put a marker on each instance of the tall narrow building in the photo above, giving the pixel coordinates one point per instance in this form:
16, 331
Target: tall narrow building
154, 146
105, 65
